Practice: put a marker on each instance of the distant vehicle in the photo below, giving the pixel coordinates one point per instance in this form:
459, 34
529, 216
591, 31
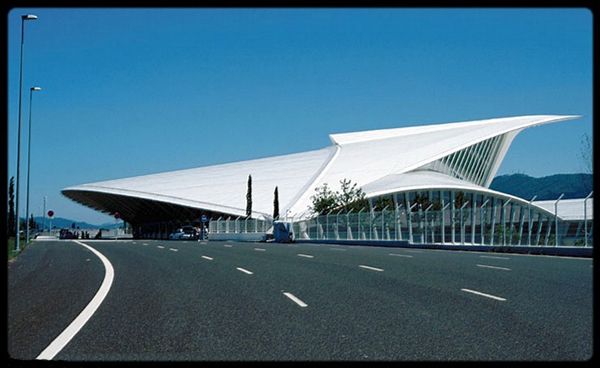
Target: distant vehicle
66, 234
185, 233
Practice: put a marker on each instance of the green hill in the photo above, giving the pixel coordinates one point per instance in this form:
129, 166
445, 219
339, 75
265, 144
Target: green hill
546, 188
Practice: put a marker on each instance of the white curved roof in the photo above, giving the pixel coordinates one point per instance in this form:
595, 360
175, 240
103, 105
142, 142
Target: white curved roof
376, 160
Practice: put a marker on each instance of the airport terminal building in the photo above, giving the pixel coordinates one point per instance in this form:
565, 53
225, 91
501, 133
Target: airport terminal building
437, 178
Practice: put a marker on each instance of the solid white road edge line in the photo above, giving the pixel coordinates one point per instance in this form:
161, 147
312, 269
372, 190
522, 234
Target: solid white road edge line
243, 270
482, 294
371, 268
63, 339
494, 267
296, 300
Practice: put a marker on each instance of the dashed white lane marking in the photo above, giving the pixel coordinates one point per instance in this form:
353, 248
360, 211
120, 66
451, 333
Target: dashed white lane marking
413, 251
337, 249
243, 270
494, 267
207, 257
160, 246
493, 257
63, 339
173, 249
296, 300
260, 249
371, 268
144, 243
483, 294
305, 255
401, 255
228, 245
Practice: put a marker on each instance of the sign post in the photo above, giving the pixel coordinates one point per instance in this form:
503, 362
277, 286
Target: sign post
117, 216
50, 216
202, 231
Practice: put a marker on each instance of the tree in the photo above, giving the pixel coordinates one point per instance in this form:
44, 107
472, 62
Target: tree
276, 204
249, 197
350, 198
324, 200
586, 154
10, 228
32, 223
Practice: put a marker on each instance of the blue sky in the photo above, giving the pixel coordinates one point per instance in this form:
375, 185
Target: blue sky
127, 92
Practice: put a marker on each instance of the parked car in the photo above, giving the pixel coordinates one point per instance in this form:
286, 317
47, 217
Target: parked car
185, 233
66, 234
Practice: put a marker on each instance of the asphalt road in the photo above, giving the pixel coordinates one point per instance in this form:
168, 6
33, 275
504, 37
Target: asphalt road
184, 300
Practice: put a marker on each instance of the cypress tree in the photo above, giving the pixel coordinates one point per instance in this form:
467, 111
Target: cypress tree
249, 197
276, 204
10, 228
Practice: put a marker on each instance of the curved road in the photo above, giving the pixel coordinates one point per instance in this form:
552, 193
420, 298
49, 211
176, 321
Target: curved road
174, 300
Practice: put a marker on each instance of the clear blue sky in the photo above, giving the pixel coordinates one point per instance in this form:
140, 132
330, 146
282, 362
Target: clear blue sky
128, 92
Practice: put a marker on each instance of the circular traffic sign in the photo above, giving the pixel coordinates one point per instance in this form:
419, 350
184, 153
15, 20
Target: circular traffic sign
50, 213
117, 215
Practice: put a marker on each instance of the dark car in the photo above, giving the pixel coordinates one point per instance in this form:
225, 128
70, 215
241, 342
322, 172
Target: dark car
185, 233
66, 234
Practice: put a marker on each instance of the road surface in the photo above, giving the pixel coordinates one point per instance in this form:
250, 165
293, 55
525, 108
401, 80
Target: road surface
186, 300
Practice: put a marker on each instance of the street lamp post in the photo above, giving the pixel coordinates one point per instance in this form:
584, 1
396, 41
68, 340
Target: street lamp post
23, 19
556, 219
29, 155
585, 217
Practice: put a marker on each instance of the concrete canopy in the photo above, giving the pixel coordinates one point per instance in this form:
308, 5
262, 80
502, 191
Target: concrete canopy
459, 155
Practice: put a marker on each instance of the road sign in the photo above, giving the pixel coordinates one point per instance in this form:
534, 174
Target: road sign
50, 213
117, 216
204, 219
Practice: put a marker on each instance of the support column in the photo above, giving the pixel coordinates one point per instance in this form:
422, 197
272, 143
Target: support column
452, 215
473, 209
408, 216
493, 220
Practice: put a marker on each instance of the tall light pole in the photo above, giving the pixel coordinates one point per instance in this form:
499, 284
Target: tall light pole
585, 217
23, 19
29, 156
556, 220
44, 226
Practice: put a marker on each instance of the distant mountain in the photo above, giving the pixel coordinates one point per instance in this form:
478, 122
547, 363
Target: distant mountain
60, 223
546, 188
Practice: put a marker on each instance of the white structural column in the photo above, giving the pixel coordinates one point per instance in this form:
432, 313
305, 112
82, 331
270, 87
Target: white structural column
503, 220
452, 211
539, 230
473, 209
408, 216
513, 206
482, 216
521, 222
493, 221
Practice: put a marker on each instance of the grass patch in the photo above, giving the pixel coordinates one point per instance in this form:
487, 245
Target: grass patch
11, 246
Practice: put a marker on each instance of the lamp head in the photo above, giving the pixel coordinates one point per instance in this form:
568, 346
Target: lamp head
36, 88
29, 17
